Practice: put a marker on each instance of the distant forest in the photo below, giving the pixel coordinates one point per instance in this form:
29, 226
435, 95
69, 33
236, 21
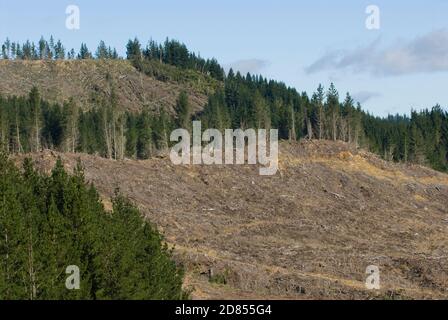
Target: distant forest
243, 101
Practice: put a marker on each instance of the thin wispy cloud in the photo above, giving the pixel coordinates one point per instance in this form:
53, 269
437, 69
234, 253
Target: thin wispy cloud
364, 96
424, 54
252, 66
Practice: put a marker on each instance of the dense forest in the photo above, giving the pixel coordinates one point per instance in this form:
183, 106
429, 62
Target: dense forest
243, 101
48, 223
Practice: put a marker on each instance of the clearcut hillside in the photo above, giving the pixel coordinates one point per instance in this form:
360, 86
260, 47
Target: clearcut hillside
90, 80
308, 232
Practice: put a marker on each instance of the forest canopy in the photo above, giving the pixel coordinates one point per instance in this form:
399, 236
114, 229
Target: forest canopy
48, 223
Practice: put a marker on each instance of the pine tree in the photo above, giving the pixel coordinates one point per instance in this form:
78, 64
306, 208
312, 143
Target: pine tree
144, 136
416, 143
102, 51
43, 49
333, 109
262, 117
35, 102
162, 125
318, 100
347, 119
84, 52
133, 50
50, 222
59, 51
131, 136
183, 111
71, 130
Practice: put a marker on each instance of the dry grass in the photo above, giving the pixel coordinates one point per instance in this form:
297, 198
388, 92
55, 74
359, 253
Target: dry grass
91, 80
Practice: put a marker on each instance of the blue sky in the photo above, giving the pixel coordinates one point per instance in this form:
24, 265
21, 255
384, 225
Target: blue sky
403, 65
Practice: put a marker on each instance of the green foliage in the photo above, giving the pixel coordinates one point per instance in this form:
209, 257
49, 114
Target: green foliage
420, 139
104, 52
189, 78
177, 54
235, 101
133, 50
51, 50
183, 111
50, 222
84, 52
216, 114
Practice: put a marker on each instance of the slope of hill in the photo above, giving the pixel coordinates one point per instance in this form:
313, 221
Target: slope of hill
309, 232
91, 80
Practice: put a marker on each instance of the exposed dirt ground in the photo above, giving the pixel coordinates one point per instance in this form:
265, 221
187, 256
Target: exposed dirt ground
307, 233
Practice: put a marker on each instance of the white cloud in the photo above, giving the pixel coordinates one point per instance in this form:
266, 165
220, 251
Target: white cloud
364, 96
253, 66
424, 54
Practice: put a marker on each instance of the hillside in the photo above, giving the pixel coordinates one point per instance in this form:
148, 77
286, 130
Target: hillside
90, 80
309, 232
218, 100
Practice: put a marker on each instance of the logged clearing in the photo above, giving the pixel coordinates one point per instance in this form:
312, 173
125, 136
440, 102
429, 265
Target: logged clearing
308, 232
89, 81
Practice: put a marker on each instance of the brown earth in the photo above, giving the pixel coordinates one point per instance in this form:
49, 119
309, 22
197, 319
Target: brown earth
88, 81
307, 233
